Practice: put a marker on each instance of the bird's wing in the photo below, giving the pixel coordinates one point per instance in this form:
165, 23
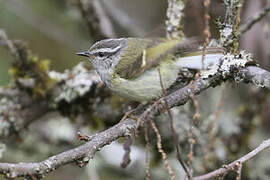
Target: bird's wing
149, 53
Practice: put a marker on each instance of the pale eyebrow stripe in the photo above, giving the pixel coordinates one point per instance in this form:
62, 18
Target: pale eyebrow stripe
107, 50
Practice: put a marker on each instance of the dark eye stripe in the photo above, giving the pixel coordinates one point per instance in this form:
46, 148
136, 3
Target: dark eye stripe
103, 52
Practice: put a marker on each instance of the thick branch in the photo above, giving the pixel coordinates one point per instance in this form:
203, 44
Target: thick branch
81, 154
15, 113
257, 76
84, 153
73, 85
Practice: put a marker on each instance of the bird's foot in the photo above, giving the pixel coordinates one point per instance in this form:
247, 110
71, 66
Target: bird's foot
128, 114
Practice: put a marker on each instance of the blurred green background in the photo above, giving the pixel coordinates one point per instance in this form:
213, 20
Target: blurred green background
55, 30
52, 29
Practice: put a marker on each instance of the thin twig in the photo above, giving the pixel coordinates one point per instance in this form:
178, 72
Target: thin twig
83, 137
196, 116
264, 145
147, 153
239, 171
9, 45
174, 134
191, 142
206, 32
213, 124
126, 158
161, 151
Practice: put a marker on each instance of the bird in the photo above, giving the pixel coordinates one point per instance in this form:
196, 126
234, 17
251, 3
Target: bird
134, 67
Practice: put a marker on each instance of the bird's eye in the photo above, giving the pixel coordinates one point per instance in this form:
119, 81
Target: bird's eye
101, 54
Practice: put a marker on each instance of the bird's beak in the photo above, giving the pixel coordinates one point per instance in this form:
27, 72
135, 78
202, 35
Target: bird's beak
86, 54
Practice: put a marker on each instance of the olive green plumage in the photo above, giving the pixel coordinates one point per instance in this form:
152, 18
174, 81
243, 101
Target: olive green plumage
129, 66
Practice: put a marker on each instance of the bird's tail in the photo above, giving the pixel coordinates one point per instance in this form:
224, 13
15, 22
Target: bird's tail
193, 60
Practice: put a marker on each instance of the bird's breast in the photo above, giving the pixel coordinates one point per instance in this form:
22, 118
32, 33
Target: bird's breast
147, 86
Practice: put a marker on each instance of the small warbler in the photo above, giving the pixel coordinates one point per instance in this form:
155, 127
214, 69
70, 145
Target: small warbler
131, 66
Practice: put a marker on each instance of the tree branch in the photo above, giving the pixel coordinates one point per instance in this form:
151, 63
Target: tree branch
64, 88
122, 19
81, 154
84, 153
229, 30
174, 18
234, 165
19, 108
256, 75
251, 21
17, 112
99, 25
4, 41
48, 27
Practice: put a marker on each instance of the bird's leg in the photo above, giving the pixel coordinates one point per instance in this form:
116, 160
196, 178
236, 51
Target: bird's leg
128, 114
